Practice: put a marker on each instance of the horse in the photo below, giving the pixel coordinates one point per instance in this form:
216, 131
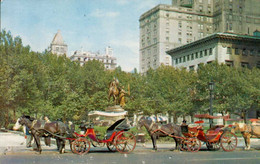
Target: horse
114, 91
156, 130
40, 128
248, 131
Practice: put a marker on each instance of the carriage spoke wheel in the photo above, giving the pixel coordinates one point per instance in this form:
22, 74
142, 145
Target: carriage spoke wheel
111, 147
125, 142
194, 144
213, 146
228, 141
184, 145
71, 146
80, 146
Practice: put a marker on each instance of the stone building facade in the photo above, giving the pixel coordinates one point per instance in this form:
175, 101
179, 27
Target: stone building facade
231, 49
58, 46
168, 26
108, 59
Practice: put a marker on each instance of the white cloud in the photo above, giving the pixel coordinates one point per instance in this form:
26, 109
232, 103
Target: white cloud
100, 14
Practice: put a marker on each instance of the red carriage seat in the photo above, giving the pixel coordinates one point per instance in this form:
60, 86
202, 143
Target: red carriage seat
214, 130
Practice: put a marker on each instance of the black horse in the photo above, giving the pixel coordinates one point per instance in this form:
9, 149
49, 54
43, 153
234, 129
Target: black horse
155, 130
40, 128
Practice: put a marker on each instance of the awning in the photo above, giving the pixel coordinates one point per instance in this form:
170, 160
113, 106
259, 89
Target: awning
207, 116
160, 118
108, 114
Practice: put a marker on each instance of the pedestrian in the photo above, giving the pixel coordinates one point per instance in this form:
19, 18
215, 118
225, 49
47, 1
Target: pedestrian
28, 136
46, 119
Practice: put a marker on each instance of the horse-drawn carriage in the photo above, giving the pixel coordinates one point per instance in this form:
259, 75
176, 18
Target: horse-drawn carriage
189, 138
215, 137
118, 138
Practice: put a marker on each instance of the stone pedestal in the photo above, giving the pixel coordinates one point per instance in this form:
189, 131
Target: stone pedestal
115, 108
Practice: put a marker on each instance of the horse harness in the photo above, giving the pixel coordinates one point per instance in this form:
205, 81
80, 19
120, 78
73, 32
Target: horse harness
151, 127
40, 128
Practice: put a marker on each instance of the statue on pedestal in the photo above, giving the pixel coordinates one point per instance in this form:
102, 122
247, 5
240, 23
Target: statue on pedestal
118, 93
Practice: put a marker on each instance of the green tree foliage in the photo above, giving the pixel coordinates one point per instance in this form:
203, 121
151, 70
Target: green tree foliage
41, 84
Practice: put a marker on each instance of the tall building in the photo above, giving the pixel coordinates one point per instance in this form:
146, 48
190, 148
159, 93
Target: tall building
58, 46
108, 59
166, 27
228, 48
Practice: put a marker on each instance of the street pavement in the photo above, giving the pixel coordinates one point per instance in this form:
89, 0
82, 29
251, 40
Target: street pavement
13, 150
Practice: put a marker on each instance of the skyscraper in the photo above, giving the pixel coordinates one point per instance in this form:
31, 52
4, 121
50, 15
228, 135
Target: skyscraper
168, 26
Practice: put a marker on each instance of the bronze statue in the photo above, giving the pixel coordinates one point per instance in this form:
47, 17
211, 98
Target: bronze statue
118, 93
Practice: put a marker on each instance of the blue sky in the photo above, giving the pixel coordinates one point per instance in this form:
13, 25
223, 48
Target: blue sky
88, 24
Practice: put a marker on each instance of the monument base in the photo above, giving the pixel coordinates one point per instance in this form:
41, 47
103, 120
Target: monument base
115, 108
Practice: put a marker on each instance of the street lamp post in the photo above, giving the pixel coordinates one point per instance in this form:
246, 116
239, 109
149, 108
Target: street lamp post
211, 88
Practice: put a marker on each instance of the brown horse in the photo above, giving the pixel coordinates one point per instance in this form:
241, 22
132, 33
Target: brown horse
248, 131
40, 128
157, 130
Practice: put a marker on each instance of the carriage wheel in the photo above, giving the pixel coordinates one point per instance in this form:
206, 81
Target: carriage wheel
80, 146
184, 145
125, 142
213, 146
228, 141
111, 147
194, 144
71, 146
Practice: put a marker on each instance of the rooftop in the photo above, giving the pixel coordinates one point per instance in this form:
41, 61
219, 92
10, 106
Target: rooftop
58, 39
225, 35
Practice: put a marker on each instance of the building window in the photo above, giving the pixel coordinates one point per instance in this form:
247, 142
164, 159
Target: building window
197, 55
229, 63
191, 68
206, 53
180, 25
179, 40
188, 58
210, 51
176, 61
229, 50
251, 52
236, 51
78, 59
200, 8
57, 48
244, 52
244, 64
230, 27
180, 60
184, 58
201, 54
192, 56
